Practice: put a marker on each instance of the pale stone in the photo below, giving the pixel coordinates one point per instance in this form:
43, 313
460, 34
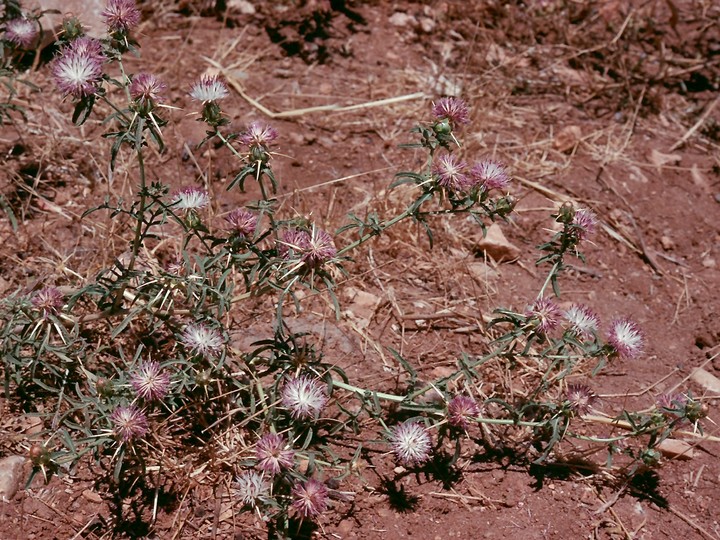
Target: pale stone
402, 19
567, 139
706, 379
11, 476
497, 246
676, 449
91, 496
241, 6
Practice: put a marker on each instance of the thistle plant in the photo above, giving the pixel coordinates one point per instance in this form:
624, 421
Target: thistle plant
142, 357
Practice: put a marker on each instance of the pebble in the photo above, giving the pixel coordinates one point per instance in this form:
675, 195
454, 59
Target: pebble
11, 476
91, 496
497, 246
667, 243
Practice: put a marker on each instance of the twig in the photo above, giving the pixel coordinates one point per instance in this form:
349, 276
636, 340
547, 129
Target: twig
308, 110
689, 133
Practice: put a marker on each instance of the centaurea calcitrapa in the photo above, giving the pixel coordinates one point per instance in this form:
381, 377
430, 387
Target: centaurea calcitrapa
283, 386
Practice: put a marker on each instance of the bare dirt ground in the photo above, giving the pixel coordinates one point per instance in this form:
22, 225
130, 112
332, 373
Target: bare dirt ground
610, 104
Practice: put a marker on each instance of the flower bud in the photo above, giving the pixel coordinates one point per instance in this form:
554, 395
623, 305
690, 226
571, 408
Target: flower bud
39, 455
505, 205
650, 457
203, 378
442, 127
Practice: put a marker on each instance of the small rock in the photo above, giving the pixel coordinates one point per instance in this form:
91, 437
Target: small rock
497, 246
667, 243
345, 526
402, 19
399, 470
709, 262
11, 476
427, 25
91, 496
676, 449
242, 6
567, 139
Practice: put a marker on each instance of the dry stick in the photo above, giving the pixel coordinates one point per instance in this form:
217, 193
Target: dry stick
694, 525
696, 126
626, 425
307, 110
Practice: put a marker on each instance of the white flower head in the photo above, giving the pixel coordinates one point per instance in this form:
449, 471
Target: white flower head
191, 198
304, 397
411, 443
201, 340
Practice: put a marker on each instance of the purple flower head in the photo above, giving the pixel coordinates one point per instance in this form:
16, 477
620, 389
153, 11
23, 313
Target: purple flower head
310, 498
625, 338
545, 315
88, 46
453, 109
583, 321
314, 248
580, 398
121, 15
21, 31
150, 381
242, 222
584, 223
489, 175
78, 68
200, 340
250, 487
304, 397
672, 402
258, 134
320, 249
147, 89
129, 423
273, 454
461, 410
48, 300
411, 443
209, 89
191, 198
449, 172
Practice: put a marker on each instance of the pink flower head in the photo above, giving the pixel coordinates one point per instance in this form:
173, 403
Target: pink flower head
461, 410
258, 134
411, 443
209, 89
453, 109
242, 222
584, 223
490, 174
583, 321
250, 487
78, 68
625, 338
191, 198
200, 340
129, 423
304, 397
150, 381
314, 248
21, 31
48, 300
273, 454
545, 315
121, 15
147, 89
449, 172
310, 498
673, 402
580, 398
